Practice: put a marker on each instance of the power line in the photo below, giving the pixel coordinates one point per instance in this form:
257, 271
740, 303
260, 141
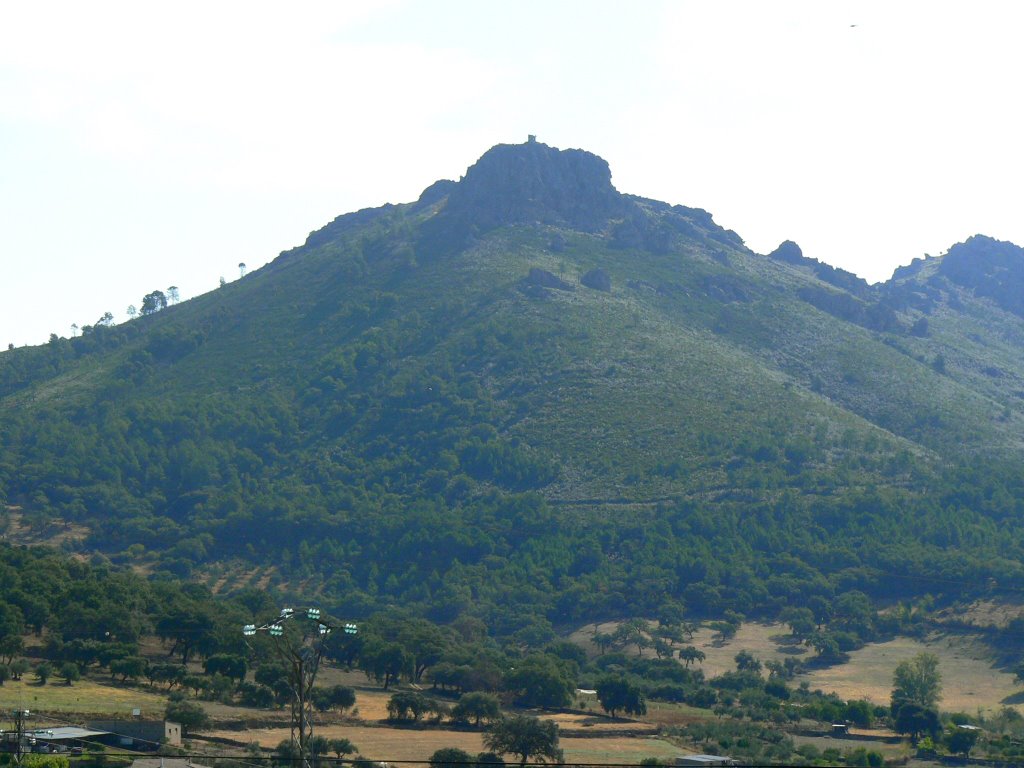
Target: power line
334, 761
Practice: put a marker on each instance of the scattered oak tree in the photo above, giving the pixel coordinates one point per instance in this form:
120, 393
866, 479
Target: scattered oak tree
450, 757
618, 694
917, 681
477, 706
529, 738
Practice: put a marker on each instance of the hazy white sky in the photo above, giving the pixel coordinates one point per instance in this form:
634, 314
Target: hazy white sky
144, 145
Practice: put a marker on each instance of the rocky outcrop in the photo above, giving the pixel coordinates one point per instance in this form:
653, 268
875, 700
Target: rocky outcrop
597, 279
541, 278
535, 183
991, 268
529, 183
789, 252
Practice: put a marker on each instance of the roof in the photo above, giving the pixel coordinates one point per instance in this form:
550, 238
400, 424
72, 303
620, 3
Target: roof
707, 759
64, 732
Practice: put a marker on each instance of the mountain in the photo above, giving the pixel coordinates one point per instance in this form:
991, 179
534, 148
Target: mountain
527, 396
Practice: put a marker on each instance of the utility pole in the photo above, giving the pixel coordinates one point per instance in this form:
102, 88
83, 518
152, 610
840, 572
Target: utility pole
300, 650
19, 729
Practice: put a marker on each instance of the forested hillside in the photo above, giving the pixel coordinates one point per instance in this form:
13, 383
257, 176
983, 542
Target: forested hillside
529, 398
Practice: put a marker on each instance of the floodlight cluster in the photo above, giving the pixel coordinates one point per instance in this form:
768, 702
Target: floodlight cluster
275, 628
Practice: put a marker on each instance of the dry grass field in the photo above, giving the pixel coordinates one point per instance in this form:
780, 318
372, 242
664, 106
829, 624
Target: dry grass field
888, 750
596, 723
374, 743
85, 696
970, 681
768, 642
393, 744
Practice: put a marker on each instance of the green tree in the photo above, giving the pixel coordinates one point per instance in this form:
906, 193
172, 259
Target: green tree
12, 627
917, 681
450, 757
132, 667
336, 697
287, 750
18, 668
192, 716
424, 643
194, 683
827, 646
916, 721
191, 628
408, 705
385, 662
153, 302
477, 706
529, 738
960, 741
318, 746
747, 662
542, 681
617, 693
342, 747
724, 630
634, 632
860, 713
226, 664
800, 620
70, 672
44, 671
689, 654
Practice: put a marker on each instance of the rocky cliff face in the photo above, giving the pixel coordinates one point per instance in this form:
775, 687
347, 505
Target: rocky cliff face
535, 183
992, 268
529, 183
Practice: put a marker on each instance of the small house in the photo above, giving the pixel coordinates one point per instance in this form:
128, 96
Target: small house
140, 735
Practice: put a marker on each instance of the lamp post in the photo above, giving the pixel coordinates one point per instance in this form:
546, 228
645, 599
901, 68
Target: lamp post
301, 650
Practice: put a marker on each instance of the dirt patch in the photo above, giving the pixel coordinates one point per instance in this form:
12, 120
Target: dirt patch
52, 533
984, 613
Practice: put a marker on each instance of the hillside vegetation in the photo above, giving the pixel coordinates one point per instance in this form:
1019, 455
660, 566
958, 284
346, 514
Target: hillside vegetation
527, 398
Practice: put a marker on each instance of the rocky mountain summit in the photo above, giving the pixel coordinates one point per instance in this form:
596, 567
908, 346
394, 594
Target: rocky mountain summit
533, 183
